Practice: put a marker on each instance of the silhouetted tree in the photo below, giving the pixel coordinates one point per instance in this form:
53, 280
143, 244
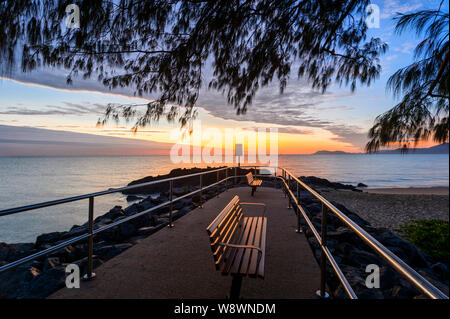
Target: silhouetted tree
424, 109
164, 47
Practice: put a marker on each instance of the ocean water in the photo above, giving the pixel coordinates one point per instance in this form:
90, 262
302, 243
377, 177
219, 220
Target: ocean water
29, 180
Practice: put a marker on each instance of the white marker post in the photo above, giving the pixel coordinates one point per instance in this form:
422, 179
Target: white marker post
238, 153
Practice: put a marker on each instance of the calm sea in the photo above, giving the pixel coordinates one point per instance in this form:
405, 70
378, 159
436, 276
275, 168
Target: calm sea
28, 180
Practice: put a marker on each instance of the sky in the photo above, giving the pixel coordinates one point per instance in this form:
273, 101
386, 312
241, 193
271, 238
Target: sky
307, 121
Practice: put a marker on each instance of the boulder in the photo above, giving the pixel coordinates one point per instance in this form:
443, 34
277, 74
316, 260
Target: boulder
50, 263
114, 213
133, 198
13, 252
49, 238
126, 230
441, 270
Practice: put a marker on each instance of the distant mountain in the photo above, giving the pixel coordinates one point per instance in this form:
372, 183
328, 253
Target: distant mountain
437, 149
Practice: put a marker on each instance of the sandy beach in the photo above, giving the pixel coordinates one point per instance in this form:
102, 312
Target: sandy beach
410, 191
391, 207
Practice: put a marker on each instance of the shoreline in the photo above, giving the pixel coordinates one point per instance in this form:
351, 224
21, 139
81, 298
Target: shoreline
433, 190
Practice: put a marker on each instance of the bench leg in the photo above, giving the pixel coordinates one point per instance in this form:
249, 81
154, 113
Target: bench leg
235, 290
253, 190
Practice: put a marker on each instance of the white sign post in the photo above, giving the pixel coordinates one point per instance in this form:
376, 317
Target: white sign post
238, 152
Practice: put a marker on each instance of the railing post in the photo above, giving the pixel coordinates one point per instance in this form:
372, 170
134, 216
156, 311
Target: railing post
201, 191
217, 188
235, 174
322, 293
171, 204
287, 192
226, 179
90, 271
299, 226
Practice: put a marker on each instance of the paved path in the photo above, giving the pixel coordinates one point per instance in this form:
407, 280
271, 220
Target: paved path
177, 262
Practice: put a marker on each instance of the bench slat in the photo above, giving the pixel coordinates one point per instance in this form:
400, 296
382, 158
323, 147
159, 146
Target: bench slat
227, 236
212, 227
249, 252
263, 248
235, 264
241, 267
255, 253
226, 223
231, 253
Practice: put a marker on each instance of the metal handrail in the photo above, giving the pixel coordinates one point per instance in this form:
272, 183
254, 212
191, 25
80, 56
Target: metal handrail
90, 235
409, 273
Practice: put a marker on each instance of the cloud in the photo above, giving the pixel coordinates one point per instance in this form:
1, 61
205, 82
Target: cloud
287, 130
348, 133
28, 141
69, 109
391, 57
392, 7
292, 108
406, 47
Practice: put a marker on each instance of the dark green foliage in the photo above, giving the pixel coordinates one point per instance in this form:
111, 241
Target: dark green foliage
431, 236
164, 47
423, 112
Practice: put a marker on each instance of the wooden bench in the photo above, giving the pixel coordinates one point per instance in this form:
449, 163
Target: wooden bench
238, 243
253, 183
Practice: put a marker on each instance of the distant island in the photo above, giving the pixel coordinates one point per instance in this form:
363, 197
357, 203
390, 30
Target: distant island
437, 149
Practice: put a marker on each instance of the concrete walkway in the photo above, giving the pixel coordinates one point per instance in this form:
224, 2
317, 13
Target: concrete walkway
177, 262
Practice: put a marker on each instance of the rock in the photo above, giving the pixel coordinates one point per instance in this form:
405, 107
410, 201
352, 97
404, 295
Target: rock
45, 283
321, 182
343, 234
179, 191
4, 251
75, 231
400, 292
184, 202
142, 221
50, 263
114, 213
405, 250
132, 198
15, 281
49, 238
441, 270
361, 185
13, 252
127, 230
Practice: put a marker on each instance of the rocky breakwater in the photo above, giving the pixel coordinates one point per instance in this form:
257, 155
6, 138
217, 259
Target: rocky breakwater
41, 277
353, 254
